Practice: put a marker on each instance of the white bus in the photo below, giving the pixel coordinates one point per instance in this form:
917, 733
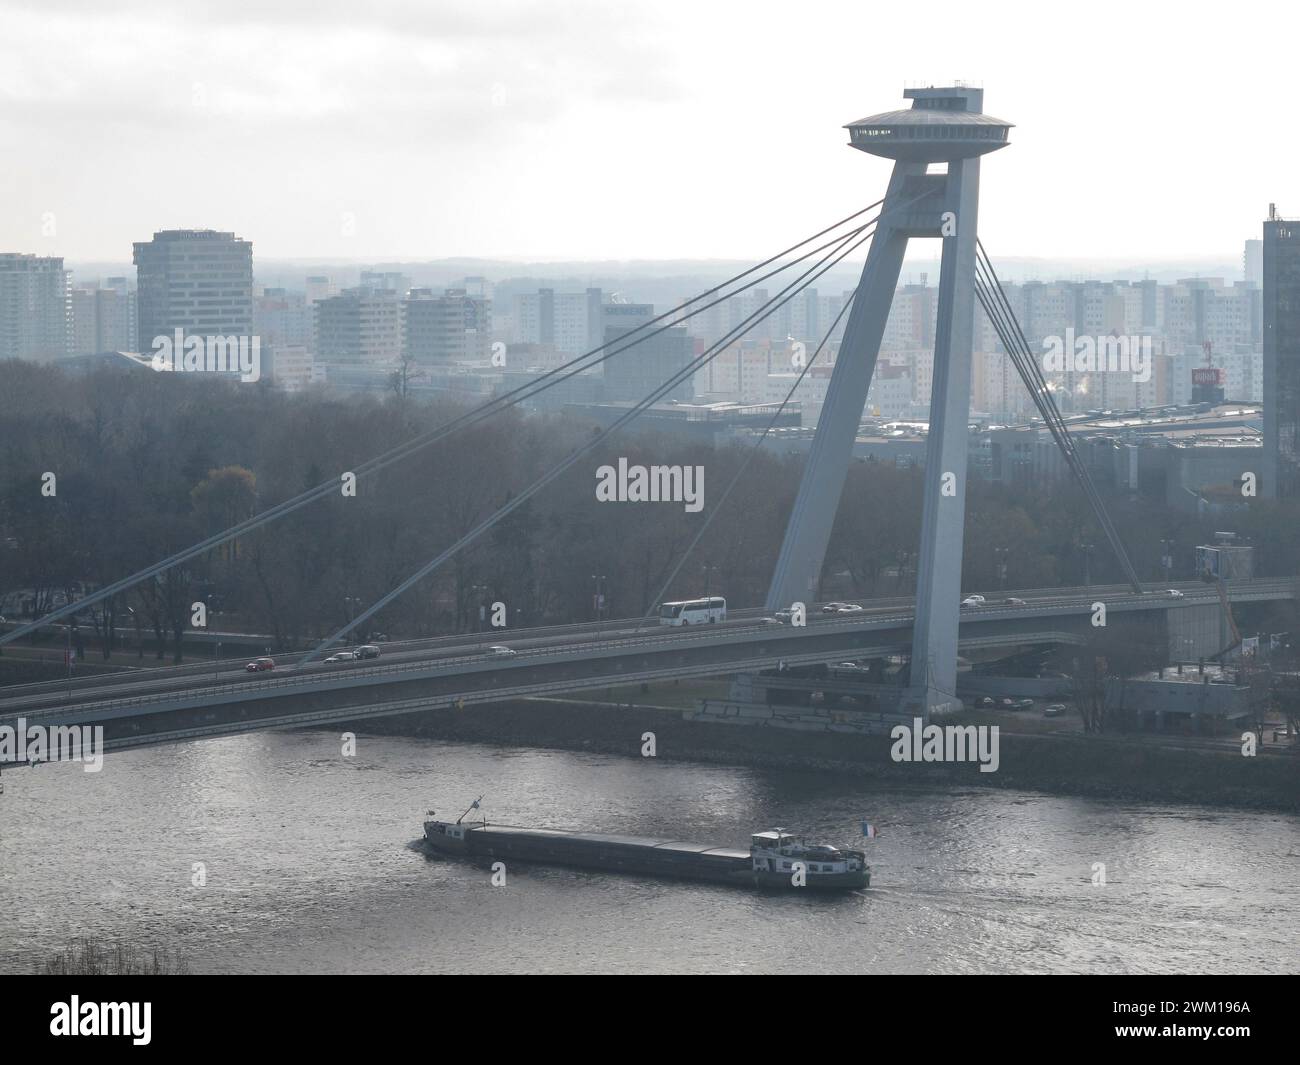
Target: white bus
693, 611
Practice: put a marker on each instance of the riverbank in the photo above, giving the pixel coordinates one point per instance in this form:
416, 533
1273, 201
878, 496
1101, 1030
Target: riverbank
1132, 770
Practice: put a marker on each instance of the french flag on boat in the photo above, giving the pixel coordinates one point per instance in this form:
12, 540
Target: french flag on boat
869, 830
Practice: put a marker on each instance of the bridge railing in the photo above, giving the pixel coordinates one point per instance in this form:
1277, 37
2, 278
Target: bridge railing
652, 638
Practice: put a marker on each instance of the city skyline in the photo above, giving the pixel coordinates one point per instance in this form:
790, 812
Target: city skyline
517, 133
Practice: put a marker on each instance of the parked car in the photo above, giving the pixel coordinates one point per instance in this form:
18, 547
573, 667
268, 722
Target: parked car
260, 665
1024, 704
367, 650
500, 651
1006, 703
1054, 710
985, 702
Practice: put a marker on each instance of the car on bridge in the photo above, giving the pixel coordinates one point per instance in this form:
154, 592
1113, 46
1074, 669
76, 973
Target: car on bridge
260, 665
1013, 601
1173, 593
973, 600
834, 608
342, 656
849, 608
500, 651
367, 650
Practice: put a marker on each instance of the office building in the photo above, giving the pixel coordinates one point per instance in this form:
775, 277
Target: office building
361, 326
569, 321
633, 371
448, 328
196, 280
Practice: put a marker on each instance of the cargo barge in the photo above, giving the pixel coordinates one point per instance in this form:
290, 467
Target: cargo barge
776, 859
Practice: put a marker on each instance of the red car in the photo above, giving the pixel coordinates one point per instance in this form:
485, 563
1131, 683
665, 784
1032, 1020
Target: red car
257, 665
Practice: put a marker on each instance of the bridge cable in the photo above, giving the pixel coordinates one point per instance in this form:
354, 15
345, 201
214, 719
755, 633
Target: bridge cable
716, 509
1028, 367
749, 456
401, 451
847, 245
994, 300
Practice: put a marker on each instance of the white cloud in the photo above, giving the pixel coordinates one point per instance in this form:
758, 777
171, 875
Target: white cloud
571, 129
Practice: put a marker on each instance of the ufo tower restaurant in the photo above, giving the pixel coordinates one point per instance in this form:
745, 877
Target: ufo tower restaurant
933, 192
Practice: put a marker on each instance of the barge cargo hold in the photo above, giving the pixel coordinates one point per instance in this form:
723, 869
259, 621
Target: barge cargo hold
775, 859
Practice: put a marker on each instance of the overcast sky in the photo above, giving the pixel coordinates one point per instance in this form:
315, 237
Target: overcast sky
421, 129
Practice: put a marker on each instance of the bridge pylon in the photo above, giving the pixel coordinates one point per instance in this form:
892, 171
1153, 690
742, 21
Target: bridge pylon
933, 192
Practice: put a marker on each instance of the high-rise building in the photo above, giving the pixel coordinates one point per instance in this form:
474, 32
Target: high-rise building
196, 280
35, 309
103, 318
1252, 261
85, 339
360, 326
641, 368
453, 327
910, 325
282, 317
1281, 357
570, 321
117, 315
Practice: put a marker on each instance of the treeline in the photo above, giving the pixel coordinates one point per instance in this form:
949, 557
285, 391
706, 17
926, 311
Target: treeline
146, 464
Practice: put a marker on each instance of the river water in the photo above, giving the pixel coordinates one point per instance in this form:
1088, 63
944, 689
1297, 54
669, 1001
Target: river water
310, 867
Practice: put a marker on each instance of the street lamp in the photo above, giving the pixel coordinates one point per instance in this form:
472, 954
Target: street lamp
709, 567
479, 592
350, 603
67, 654
1167, 558
1001, 553
598, 599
